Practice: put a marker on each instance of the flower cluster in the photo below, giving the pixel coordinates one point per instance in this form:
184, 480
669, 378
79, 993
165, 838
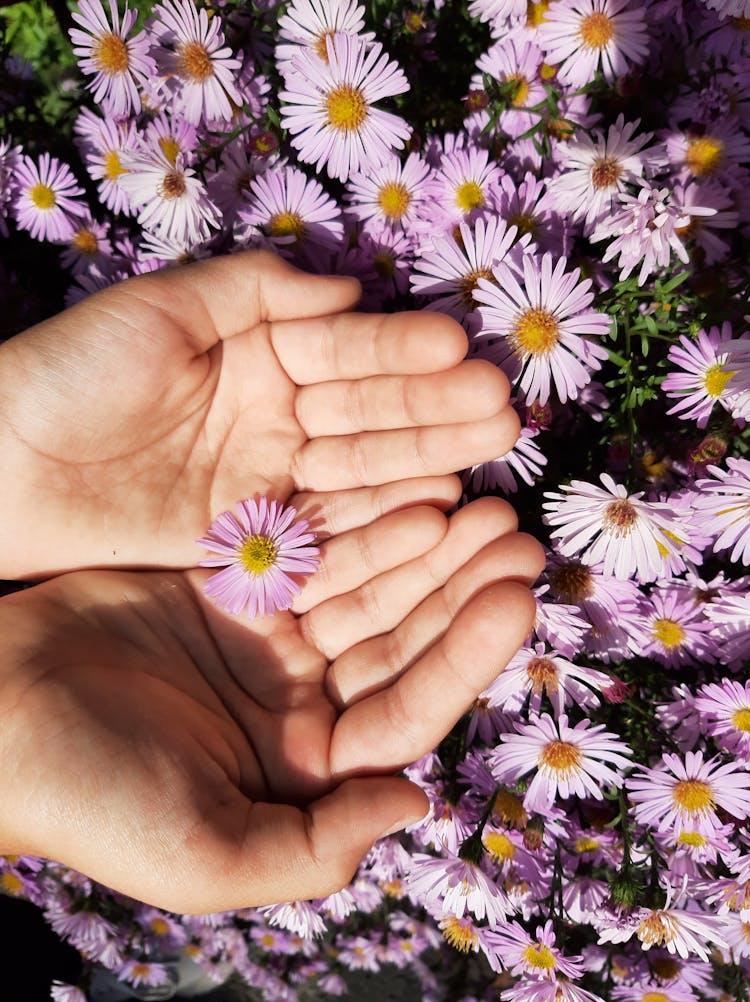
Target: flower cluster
576, 195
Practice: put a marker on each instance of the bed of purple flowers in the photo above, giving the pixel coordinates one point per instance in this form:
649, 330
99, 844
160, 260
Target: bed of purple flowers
569, 180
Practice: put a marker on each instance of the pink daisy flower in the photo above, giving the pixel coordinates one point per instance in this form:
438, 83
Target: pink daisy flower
514, 949
676, 627
142, 972
392, 195
230, 185
706, 375
88, 247
192, 52
47, 200
299, 917
455, 886
60, 991
559, 990
583, 36
714, 151
524, 462
731, 615
627, 535
309, 22
531, 207
289, 211
261, 548
594, 171
725, 708
721, 508
329, 106
106, 145
676, 930
174, 136
119, 64
569, 761
703, 231
382, 260
461, 186
683, 795
498, 12
9, 159
543, 327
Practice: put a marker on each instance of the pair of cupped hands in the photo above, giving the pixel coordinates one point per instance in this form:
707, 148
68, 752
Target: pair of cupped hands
196, 760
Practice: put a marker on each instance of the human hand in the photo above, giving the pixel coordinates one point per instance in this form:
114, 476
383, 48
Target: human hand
201, 762
130, 420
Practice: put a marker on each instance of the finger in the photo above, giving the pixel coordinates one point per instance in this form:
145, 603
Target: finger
400, 723
231, 293
347, 561
334, 512
382, 603
468, 392
372, 664
378, 457
352, 346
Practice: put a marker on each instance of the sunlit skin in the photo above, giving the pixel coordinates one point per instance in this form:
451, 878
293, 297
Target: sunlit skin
137, 416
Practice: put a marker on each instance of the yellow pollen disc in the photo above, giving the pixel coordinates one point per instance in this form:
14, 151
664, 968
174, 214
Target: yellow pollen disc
194, 62
159, 927
524, 222
286, 224
499, 846
604, 172
170, 148
745, 929
620, 517
539, 956
560, 756
715, 380
694, 839
693, 796
665, 968
173, 185
536, 332
461, 937
346, 107
193, 950
85, 241
655, 997
393, 888
320, 47
547, 71
704, 155
741, 719
267, 940
586, 844
394, 200
468, 284
110, 55
654, 465
653, 931
510, 810
112, 165
522, 89
384, 264
669, 633
141, 970
258, 553
571, 583
543, 675
469, 195
596, 30
535, 12
11, 883
43, 196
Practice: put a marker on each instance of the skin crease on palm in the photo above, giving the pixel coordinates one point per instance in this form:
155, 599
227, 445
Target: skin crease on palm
196, 760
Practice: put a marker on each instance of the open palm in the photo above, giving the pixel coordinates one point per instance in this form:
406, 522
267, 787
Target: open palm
202, 762
135, 417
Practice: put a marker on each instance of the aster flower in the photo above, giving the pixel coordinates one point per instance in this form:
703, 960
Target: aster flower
627, 535
228, 188
260, 547
456, 886
724, 708
329, 106
583, 36
461, 186
703, 232
309, 22
706, 376
677, 629
462, 933
683, 795
47, 200
532, 990
530, 206
119, 64
714, 151
679, 931
498, 12
391, 196
60, 991
88, 247
106, 145
192, 52
382, 260
524, 462
9, 158
569, 761
174, 136
542, 326
299, 917
171, 198
513, 948
142, 972
721, 508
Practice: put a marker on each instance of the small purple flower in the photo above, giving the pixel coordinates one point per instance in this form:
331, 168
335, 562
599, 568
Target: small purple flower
47, 198
259, 548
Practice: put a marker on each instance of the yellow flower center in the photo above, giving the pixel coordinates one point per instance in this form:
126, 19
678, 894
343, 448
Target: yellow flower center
596, 30
469, 195
468, 285
286, 224
140, 970
509, 809
535, 12
461, 937
693, 796
715, 380
560, 756
258, 553
193, 950
194, 62
664, 968
539, 956
704, 155
110, 55
745, 929
605, 172
394, 200
543, 675
267, 939
692, 838
669, 633
159, 926
655, 997
547, 71
653, 930
346, 107
521, 93
524, 222
393, 888
619, 518
571, 583
173, 185
560, 128
170, 148
11, 883
741, 719
536, 332
112, 165
85, 241
585, 843
499, 846
321, 46
384, 264
42, 196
